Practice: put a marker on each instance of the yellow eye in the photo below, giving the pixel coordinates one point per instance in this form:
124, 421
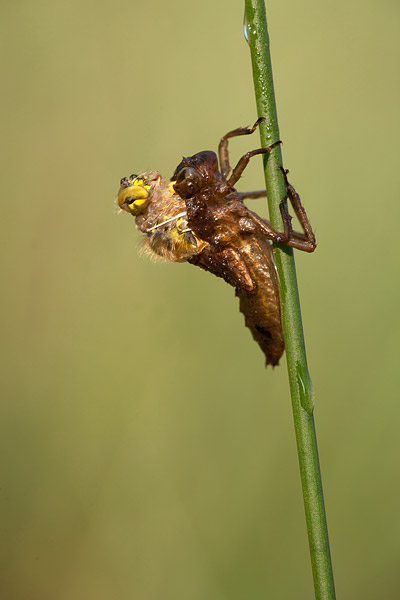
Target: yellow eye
134, 195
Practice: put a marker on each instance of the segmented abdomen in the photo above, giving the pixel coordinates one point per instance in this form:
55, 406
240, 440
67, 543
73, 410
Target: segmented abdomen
261, 306
249, 267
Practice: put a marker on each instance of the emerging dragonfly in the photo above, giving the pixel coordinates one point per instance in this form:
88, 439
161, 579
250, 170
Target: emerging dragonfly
200, 218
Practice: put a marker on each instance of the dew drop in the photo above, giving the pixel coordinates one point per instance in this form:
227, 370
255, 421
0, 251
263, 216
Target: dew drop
247, 30
245, 33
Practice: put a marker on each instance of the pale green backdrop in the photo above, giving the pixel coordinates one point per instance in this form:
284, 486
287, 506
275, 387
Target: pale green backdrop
146, 453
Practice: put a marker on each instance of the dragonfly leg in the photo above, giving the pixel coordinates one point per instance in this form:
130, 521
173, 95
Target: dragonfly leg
223, 145
301, 241
244, 161
256, 194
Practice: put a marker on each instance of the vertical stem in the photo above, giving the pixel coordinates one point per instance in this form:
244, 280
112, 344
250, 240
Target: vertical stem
299, 379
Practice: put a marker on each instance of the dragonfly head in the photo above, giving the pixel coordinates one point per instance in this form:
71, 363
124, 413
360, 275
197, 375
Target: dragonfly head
134, 193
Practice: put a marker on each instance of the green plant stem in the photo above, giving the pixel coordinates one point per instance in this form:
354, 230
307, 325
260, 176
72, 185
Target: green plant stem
299, 379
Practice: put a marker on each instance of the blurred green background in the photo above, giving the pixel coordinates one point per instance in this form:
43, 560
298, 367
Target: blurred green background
145, 451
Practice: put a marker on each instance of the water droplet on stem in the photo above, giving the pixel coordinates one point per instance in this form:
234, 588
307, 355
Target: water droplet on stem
245, 32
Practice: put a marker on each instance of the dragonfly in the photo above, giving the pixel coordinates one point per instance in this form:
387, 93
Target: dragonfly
199, 217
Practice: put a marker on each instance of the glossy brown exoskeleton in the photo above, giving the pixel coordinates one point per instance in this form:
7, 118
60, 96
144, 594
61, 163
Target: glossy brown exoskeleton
200, 218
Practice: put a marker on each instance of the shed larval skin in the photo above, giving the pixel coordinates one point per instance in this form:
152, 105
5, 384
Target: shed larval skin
201, 218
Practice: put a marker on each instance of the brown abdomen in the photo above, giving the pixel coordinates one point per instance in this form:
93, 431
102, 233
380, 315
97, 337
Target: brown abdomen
250, 268
261, 307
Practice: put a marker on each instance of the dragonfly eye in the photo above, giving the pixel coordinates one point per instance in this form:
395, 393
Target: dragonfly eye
133, 195
188, 182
